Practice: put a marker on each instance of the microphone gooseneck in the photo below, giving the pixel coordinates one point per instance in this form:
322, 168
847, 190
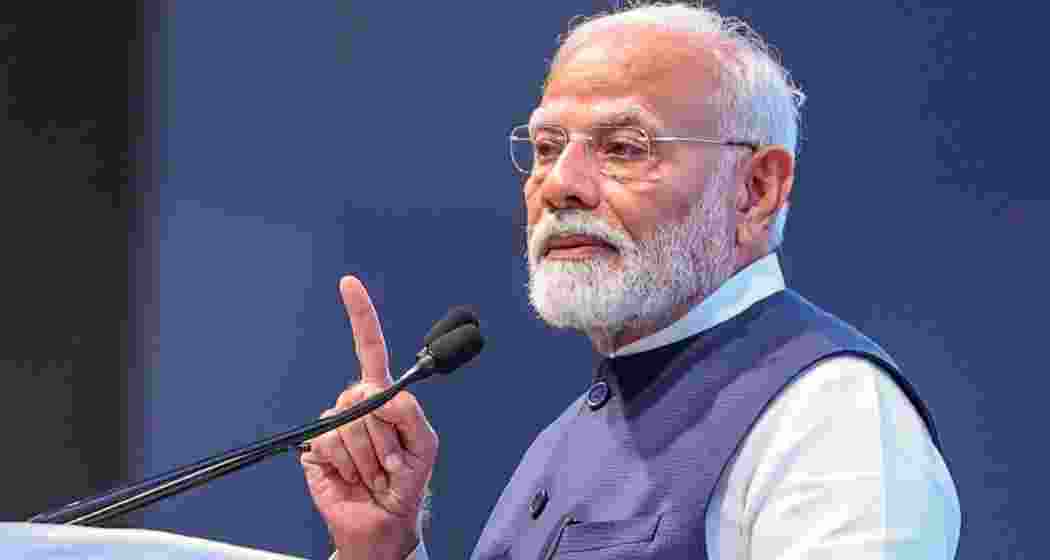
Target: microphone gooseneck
452, 342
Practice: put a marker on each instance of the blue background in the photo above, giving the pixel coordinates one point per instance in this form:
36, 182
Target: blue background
301, 141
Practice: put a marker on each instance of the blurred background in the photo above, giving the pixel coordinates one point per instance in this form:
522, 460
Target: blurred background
185, 181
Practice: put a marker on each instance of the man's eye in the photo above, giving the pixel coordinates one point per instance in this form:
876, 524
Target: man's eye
547, 149
624, 149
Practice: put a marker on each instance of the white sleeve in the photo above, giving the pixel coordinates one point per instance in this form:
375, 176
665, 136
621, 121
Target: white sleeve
839, 466
420, 553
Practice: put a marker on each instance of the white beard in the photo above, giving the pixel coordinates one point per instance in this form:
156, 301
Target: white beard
680, 264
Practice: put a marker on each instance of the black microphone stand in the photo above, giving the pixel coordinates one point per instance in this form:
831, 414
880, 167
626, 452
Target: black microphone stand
100, 508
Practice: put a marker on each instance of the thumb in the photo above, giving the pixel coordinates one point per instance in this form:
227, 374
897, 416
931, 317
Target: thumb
368, 334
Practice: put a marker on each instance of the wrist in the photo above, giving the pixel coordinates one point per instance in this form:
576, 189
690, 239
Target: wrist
396, 543
411, 554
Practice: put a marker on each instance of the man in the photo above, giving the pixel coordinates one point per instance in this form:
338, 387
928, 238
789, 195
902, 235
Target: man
730, 418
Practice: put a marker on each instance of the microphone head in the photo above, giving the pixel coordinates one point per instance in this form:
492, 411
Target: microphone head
456, 317
456, 347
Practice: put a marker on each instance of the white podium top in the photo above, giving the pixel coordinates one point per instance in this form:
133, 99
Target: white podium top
39, 541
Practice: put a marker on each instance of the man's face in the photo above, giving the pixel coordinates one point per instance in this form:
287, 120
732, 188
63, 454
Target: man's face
606, 253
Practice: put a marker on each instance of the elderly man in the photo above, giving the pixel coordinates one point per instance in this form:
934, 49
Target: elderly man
729, 418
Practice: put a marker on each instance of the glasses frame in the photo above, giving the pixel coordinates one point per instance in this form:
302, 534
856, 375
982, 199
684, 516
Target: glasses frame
589, 137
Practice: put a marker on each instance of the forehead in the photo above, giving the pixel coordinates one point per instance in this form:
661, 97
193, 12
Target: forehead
661, 78
575, 112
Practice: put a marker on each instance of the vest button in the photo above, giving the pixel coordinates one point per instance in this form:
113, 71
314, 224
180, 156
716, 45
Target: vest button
538, 502
598, 395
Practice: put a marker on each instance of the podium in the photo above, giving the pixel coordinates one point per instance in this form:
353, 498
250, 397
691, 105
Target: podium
42, 541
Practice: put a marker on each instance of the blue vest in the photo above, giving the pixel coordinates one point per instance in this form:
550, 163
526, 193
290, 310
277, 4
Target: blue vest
632, 478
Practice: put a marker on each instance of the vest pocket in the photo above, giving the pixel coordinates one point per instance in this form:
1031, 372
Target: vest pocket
594, 535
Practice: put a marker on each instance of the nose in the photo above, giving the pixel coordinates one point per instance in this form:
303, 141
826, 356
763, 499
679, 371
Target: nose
573, 180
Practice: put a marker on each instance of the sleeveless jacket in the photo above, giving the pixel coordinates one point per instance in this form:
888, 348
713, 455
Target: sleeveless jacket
633, 477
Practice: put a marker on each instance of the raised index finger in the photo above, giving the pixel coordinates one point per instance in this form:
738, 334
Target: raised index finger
368, 335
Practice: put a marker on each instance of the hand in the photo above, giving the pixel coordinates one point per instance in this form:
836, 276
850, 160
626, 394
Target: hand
368, 477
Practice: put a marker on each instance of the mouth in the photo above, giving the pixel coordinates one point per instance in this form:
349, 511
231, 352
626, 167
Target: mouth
576, 247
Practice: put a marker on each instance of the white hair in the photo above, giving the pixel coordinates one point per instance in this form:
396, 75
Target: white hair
758, 100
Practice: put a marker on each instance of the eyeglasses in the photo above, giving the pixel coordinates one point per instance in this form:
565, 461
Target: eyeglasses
623, 152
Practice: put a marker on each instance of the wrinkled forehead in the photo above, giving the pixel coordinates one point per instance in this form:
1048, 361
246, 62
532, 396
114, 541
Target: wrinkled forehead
632, 75
577, 112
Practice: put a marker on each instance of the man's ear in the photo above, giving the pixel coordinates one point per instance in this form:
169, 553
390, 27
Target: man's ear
768, 178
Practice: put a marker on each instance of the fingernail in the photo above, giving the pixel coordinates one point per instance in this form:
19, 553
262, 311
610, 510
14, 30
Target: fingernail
392, 462
379, 485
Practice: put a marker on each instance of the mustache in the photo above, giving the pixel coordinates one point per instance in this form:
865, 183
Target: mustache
573, 223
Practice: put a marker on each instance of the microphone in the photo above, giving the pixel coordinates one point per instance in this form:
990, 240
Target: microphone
451, 342
456, 317
456, 348
447, 352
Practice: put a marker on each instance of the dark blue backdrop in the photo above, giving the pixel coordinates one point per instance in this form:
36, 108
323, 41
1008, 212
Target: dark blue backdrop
300, 141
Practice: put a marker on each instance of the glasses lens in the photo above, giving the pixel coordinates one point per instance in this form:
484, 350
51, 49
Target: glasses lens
521, 151
622, 151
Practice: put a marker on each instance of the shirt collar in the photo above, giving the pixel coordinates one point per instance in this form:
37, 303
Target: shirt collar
757, 281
